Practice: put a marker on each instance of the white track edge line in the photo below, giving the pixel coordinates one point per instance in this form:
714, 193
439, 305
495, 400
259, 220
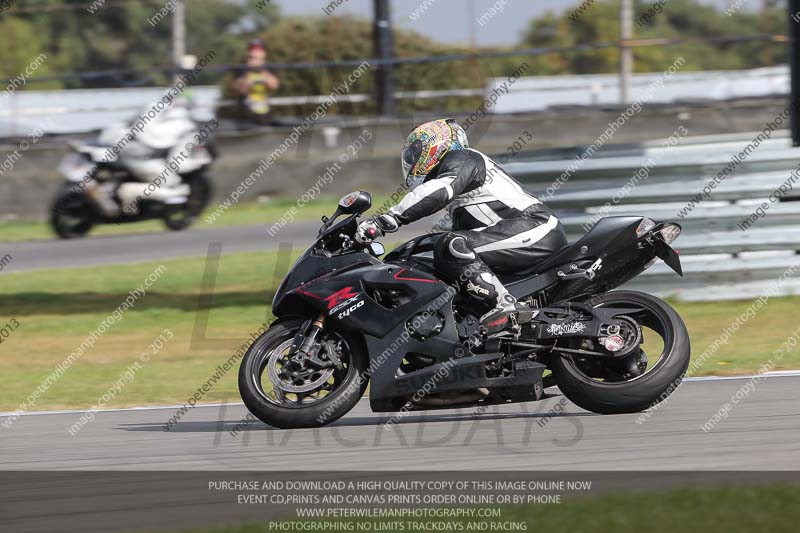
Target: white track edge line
776, 374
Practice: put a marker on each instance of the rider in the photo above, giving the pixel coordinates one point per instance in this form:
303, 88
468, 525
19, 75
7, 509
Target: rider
497, 225
148, 156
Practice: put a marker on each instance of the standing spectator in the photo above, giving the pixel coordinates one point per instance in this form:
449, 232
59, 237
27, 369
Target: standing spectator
254, 85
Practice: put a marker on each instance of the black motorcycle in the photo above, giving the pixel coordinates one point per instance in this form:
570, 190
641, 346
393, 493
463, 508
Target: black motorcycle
345, 318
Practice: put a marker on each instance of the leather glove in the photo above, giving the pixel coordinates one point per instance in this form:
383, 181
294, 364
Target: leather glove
368, 231
376, 227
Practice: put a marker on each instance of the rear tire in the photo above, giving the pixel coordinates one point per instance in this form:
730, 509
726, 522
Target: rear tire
638, 394
323, 412
199, 196
71, 216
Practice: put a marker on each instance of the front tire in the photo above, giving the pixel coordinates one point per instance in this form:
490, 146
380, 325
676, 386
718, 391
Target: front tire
640, 392
290, 411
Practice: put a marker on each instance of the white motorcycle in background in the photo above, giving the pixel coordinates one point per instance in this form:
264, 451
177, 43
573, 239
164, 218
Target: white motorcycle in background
126, 175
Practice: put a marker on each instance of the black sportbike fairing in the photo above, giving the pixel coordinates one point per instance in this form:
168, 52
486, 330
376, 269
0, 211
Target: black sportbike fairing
421, 337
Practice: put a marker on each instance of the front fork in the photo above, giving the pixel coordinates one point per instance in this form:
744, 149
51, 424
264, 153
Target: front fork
306, 338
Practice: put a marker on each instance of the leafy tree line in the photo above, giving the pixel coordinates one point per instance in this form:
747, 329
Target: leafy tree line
119, 36
677, 19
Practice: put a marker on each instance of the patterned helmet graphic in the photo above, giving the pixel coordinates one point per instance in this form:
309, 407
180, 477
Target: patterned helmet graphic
427, 145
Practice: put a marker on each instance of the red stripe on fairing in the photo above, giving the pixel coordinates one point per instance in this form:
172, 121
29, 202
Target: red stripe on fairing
398, 278
301, 291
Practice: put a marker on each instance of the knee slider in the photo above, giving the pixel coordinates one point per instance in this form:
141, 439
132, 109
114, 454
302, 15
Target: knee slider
456, 247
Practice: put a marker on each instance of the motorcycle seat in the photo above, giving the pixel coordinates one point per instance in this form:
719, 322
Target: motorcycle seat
559, 257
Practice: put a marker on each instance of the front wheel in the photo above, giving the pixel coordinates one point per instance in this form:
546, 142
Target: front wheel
287, 390
639, 380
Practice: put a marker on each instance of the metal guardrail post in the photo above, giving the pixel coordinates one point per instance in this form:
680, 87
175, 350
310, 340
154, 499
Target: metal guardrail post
794, 62
384, 49
178, 37
625, 51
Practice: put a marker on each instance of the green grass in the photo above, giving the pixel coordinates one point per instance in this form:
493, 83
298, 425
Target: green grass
735, 509
57, 309
237, 215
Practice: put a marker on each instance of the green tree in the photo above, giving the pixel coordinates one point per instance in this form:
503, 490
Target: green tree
346, 38
679, 19
132, 35
20, 49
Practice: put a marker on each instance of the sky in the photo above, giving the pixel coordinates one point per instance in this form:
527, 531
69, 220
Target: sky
447, 20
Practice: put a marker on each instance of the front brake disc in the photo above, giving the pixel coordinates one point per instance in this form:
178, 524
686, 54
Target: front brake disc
278, 356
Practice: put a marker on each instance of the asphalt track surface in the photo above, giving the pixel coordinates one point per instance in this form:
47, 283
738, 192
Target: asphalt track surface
761, 432
137, 248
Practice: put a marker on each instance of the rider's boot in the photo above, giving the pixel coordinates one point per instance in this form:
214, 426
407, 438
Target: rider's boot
102, 194
487, 287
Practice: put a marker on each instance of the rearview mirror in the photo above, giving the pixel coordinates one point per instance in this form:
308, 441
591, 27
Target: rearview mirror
355, 203
377, 249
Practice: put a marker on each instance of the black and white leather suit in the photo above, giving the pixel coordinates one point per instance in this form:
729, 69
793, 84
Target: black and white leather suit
497, 226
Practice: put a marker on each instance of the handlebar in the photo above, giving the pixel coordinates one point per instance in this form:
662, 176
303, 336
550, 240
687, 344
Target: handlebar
343, 232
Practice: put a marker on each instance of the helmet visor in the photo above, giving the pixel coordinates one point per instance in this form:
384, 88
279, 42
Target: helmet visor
411, 156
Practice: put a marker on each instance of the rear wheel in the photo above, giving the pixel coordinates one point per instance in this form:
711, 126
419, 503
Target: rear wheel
287, 390
199, 196
638, 380
71, 215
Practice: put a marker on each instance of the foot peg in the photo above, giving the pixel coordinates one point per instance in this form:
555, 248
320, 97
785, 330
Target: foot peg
511, 319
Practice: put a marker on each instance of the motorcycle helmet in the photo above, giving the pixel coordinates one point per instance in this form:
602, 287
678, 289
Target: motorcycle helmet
427, 145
